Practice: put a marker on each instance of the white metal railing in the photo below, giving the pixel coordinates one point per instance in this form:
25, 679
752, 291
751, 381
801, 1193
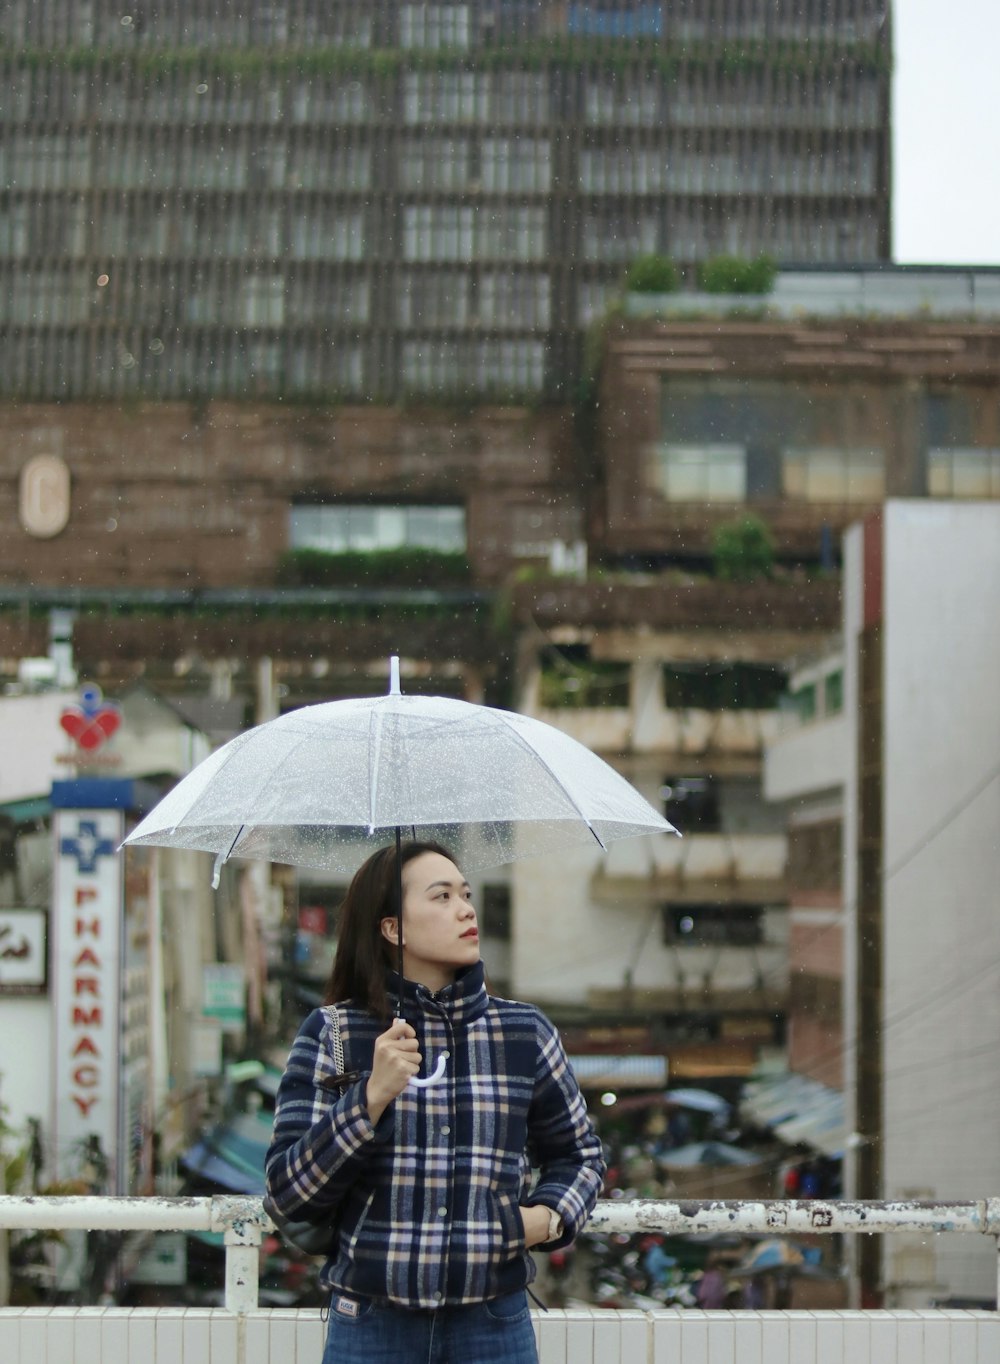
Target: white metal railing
244, 1223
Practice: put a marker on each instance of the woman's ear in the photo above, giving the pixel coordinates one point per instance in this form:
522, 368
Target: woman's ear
390, 930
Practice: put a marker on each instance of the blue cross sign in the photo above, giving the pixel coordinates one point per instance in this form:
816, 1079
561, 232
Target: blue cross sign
87, 846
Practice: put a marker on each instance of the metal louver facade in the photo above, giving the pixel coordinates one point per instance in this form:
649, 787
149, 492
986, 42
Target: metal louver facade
340, 198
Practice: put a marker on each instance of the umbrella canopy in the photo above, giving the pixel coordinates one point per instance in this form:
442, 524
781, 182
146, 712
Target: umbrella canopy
326, 785
708, 1153
776, 1254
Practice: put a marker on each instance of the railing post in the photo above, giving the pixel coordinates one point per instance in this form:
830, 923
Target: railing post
243, 1229
991, 1225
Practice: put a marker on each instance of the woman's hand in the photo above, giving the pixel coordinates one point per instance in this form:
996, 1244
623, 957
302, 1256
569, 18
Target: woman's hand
396, 1059
535, 1218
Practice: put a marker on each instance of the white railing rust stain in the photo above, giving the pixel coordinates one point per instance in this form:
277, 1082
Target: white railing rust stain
244, 1223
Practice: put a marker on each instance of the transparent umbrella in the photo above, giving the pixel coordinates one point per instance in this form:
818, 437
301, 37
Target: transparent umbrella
326, 785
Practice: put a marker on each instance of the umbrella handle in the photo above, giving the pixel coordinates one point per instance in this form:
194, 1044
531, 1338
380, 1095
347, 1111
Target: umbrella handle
435, 1079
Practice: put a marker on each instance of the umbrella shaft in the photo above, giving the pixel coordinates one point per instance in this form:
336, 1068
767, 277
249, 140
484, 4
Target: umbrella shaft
399, 919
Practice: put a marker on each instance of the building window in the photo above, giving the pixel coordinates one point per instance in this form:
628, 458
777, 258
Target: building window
592, 301
692, 803
328, 236
496, 915
317, 165
434, 26
336, 300
436, 163
343, 527
713, 925
317, 367
615, 21
497, 97
623, 103
438, 232
512, 233
833, 692
444, 97
509, 366
710, 472
614, 170
432, 366
804, 701
54, 297
620, 237
828, 474
722, 686
516, 164
263, 300
815, 855
518, 301
488, 366
329, 103
966, 471
571, 679
434, 298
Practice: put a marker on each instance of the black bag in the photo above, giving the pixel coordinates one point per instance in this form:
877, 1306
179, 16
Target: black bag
311, 1238
316, 1235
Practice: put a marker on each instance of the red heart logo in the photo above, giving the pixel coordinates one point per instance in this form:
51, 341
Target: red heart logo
90, 731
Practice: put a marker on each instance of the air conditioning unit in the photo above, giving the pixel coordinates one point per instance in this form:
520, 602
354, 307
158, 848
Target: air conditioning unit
37, 674
568, 560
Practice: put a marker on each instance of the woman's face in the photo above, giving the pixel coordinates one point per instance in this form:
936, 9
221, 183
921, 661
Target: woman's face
440, 933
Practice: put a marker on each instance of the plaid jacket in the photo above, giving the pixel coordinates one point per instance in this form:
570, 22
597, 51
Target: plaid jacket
426, 1203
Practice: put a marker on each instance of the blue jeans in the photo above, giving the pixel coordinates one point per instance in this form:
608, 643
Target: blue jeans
363, 1331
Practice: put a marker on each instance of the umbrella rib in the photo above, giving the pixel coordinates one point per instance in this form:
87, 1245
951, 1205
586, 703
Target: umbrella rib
548, 767
374, 748
222, 858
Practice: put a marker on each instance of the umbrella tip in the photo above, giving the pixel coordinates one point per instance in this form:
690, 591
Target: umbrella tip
394, 675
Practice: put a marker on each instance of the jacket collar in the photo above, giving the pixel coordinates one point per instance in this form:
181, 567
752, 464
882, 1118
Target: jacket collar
464, 1000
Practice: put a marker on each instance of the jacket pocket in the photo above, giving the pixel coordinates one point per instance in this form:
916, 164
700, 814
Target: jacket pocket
354, 1231
507, 1219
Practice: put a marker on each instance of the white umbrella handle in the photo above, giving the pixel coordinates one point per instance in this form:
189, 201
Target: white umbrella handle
434, 1079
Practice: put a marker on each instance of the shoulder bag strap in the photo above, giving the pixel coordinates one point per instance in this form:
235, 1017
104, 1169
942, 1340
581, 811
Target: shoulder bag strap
342, 1076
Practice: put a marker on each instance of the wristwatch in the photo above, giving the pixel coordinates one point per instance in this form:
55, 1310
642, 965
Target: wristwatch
555, 1226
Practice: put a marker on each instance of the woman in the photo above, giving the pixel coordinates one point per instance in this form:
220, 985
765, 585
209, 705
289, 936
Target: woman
430, 1191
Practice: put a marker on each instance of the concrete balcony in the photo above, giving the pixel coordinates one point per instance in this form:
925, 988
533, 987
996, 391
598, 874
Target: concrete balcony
716, 868
807, 758
650, 603
688, 733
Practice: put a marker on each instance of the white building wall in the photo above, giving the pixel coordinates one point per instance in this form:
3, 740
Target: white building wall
853, 615
30, 741
567, 940
25, 1073
807, 759
592, 920
942, 872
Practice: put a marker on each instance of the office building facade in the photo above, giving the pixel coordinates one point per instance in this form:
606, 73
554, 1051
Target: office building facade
374, 200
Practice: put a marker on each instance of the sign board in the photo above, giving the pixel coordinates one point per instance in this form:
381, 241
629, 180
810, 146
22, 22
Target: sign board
205, 1044
44, 502
86, 985
225, 994
163, 1262
620, 1072
23, 951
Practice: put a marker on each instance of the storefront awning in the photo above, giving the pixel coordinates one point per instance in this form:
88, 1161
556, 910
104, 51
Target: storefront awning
26, 811
232, 1154
798, 1110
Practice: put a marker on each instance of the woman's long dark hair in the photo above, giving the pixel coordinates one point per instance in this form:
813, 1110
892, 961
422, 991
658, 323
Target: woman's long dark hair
363, 953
